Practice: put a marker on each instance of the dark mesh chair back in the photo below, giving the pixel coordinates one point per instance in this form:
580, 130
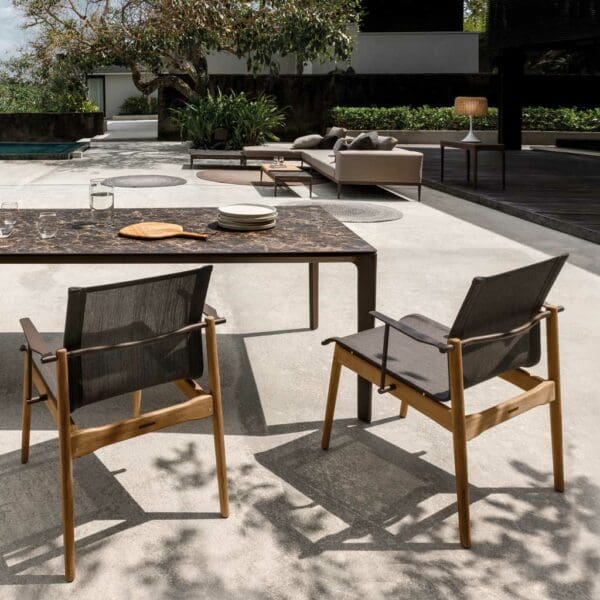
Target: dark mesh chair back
132, 311
499, 304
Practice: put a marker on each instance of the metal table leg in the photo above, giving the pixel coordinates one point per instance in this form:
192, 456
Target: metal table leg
442, 152
366, 291
313, 294
469, 165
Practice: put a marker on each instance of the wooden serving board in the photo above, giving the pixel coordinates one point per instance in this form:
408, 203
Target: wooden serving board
159, 231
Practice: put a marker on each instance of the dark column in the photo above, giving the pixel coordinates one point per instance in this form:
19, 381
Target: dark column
510, 79
412, 15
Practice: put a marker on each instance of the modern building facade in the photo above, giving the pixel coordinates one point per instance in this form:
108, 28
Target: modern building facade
401, 36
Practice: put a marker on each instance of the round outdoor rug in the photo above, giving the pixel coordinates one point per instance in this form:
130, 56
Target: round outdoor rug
351, 212
144, 181
245, 177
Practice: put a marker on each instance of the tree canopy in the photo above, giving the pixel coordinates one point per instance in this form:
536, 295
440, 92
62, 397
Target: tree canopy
168, 41
475, 15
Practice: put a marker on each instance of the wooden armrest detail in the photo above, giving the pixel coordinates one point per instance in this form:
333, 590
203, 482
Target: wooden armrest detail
35, 341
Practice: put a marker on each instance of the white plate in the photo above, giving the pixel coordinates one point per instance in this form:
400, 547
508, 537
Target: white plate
246, 227
248, 210
247, 220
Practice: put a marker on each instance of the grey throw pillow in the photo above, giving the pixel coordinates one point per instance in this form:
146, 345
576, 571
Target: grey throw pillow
386, 142
364, 141
307, 141
339, 132
328, 142
341, 144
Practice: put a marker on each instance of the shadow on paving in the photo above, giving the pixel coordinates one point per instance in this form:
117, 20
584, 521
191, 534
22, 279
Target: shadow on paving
363, 495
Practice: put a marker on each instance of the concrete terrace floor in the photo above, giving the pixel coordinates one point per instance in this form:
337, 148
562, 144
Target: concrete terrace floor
372, 518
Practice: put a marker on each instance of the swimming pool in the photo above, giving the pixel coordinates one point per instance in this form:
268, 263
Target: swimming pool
40, 150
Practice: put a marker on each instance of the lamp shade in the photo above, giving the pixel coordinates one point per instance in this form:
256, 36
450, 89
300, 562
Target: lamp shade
471, 106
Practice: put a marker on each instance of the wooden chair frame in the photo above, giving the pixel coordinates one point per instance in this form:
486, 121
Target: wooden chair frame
465, 427
75, 442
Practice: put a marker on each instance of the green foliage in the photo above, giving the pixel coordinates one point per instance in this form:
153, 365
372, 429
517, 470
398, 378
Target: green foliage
229, 121
535, 118
35, 83
20, 97
139, 105
475, 15
88, 106
167, 42
30, 98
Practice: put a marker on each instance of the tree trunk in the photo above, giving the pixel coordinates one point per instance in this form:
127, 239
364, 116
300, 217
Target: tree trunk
299, 66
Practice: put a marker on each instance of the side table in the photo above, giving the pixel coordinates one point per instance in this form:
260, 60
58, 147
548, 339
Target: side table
475, 148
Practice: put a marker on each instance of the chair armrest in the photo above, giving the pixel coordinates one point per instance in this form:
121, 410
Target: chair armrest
521, 330
413, 333
555, 307
209, 311
35, 342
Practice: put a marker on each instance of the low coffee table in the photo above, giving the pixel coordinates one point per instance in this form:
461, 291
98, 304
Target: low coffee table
284, 174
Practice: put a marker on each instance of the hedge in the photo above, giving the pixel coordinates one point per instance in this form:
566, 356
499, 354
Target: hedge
535, 118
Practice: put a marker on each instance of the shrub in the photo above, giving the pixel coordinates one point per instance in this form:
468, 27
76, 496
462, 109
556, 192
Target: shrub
229, 121
139, 105
30, 98
20, 98
535, 118
88, 106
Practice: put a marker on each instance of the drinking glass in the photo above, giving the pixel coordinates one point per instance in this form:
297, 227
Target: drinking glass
102, 199
8, 218
47, 225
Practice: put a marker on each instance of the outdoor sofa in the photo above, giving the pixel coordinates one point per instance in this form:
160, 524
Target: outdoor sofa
351, 167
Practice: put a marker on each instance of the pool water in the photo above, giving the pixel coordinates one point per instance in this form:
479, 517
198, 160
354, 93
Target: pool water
40, 150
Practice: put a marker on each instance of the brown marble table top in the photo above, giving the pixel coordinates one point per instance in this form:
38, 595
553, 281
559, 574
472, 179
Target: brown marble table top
302, 232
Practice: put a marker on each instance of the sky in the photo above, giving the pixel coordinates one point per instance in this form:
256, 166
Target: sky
11, 36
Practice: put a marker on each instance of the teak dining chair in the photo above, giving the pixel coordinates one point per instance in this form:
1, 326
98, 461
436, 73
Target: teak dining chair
426, 364
121, 339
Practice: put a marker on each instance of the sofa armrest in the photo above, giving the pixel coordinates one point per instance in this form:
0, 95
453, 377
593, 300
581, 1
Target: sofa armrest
379, 166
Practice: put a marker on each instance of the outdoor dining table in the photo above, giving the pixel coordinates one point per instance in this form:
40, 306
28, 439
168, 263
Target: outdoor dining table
304, 234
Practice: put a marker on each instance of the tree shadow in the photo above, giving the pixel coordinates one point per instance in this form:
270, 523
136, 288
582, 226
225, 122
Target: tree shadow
31, 516
366, 494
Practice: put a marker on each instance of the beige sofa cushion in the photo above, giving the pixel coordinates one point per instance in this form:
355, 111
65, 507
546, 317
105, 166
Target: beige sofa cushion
379, 166
268, 151
320, 160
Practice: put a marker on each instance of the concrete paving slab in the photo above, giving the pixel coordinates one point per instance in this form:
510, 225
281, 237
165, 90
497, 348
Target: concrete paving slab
375, 517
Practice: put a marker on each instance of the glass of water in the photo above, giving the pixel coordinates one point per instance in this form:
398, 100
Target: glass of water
8, 218
102, 199
47, 225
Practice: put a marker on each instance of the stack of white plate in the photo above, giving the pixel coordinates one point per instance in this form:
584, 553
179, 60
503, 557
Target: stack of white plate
247, 217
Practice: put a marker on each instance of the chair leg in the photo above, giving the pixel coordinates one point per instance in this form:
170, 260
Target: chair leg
136, 403
218, 427
339, 190
66, 465
403, 409
556, 428
459, 436
26, 413
462, 488
334, 382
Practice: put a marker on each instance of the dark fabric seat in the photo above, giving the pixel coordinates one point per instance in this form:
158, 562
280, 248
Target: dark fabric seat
421, 366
